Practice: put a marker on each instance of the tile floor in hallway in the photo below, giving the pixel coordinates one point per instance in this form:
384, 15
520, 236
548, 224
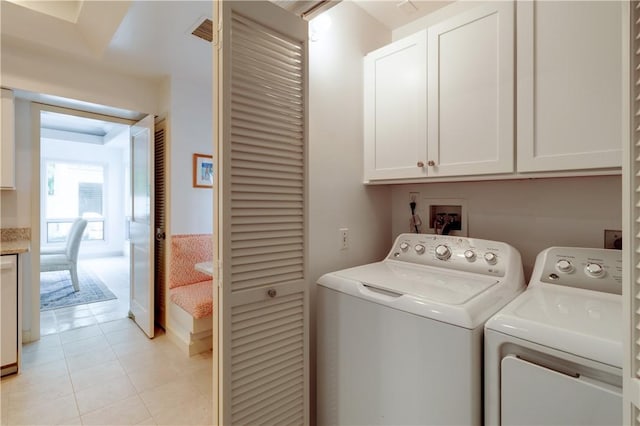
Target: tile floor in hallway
114, 272
108, 374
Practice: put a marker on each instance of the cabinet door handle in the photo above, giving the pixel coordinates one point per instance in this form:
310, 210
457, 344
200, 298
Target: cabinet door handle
271, 293
420, 164
431, 163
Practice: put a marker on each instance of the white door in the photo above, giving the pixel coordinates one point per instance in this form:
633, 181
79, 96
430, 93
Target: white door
141, 227
261, 152
471, 93
395, 110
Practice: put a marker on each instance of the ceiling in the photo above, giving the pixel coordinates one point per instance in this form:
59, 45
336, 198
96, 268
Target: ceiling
152, 38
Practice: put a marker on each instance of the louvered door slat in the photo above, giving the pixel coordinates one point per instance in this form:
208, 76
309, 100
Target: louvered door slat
264, 210
268, 111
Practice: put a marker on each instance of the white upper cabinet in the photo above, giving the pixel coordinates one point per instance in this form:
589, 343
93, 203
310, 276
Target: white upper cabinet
395, 115
570, 79
471, 93
7, 141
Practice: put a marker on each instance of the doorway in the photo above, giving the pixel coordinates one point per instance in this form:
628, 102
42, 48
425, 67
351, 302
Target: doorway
84, 176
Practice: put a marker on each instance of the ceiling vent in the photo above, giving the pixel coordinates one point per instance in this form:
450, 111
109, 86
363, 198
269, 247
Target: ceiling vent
204, 30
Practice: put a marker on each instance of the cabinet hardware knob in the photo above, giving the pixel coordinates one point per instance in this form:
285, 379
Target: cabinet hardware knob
420, 164
431, 163
271, 293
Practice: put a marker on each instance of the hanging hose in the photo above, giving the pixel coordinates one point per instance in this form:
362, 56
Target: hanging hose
413, 215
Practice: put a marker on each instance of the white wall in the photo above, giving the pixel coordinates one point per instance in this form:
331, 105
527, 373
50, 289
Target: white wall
111, 159
44, 72
191, 131
530, 214
337, 196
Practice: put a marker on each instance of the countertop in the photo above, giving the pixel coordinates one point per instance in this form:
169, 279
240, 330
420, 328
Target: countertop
14, 247
15, 240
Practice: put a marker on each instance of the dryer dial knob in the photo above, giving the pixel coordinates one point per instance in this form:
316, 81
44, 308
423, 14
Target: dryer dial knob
419, 248
490, 258
564, 265
594, 270
470, 255
404, 246
443, 252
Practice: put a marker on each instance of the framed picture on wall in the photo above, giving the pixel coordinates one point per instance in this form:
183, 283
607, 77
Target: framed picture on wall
202, 171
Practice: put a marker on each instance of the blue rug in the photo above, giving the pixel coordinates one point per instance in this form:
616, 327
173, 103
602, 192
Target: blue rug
56, 290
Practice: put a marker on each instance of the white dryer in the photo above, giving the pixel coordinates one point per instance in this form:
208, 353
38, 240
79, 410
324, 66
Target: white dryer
553, 356
399, 342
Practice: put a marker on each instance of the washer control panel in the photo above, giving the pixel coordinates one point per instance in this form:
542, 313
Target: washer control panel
452, 252
589, 268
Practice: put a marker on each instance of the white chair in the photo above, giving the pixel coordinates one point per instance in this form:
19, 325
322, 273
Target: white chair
65, 259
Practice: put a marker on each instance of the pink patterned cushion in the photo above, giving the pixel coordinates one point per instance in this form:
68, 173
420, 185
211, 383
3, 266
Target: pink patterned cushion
197, 299
186, 251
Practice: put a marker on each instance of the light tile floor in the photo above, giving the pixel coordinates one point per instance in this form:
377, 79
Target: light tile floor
114, 272
108, 374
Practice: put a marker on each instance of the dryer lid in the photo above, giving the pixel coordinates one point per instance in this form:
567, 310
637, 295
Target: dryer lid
422, 282
578, 321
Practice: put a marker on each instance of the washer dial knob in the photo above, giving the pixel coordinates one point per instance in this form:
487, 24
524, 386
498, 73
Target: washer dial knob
470, 255
419, 248
594, 270
564, 265
443, 252
491, 258
404, 246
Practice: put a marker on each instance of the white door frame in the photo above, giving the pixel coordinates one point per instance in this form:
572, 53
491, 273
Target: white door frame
33, 333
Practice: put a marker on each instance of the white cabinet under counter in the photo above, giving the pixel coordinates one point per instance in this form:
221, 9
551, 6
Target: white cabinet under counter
9, 314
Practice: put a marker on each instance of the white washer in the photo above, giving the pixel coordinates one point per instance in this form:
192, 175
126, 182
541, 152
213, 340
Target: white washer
400, 341
553, 356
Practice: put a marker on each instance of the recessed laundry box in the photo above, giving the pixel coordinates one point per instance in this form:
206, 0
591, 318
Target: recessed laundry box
400, 341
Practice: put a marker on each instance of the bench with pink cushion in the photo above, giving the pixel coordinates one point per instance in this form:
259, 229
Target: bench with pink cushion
191, 292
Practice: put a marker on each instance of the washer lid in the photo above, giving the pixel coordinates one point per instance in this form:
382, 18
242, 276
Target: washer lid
581, 322
422, 282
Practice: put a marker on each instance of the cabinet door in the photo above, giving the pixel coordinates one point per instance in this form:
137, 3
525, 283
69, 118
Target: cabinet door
9, 310
570, 78
395, 109
7, 141
471, 93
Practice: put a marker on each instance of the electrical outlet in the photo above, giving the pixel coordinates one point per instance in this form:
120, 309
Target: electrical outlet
612, 239
344, 238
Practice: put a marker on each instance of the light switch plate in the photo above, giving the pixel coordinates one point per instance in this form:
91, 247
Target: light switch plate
612, 239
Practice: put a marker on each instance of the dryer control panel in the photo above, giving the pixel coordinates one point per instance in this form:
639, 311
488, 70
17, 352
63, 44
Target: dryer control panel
589, 268
474, 255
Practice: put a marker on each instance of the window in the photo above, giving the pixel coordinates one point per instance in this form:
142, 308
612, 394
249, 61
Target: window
73, 190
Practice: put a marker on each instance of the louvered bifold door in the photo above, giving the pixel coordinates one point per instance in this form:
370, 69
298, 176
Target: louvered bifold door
263, 221
160, 202
631, 222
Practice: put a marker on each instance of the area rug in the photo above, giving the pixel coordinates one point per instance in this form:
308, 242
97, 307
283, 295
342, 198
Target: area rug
56, 290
